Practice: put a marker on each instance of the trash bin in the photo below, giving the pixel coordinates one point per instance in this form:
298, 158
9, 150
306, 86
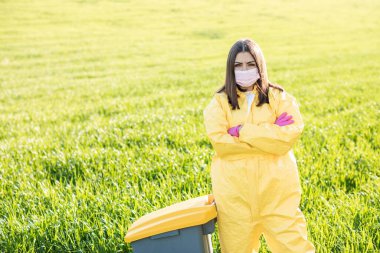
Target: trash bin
185, 227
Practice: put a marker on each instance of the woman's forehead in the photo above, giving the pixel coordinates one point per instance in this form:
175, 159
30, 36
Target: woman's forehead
244, 57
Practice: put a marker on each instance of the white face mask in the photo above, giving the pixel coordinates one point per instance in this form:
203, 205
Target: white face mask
246, 78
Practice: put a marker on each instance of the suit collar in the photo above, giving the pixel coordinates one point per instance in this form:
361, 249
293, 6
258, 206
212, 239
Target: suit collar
240, 93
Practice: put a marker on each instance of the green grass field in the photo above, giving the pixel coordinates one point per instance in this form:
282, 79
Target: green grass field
101, 113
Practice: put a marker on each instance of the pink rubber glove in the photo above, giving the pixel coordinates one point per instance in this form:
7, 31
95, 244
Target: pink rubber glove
234, 131
284, 120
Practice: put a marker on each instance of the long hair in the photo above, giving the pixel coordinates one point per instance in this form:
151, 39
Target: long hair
230, 86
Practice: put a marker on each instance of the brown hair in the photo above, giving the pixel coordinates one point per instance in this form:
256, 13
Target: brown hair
229, 87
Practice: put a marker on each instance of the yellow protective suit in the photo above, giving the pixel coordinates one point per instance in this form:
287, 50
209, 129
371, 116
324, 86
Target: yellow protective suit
255, 178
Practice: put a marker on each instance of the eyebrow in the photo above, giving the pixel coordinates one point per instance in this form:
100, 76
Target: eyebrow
247, 62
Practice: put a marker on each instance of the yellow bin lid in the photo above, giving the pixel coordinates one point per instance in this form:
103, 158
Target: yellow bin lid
189, 213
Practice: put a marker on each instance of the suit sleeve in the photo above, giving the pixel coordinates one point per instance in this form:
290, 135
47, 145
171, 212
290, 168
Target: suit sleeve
270, 137
216, 125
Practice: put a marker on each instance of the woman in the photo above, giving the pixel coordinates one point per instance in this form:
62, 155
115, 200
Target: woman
252, 124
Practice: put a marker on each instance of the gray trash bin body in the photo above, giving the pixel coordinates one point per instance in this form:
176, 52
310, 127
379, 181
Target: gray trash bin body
195, 239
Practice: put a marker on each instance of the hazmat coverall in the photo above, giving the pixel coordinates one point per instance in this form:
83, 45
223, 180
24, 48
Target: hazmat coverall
255, 178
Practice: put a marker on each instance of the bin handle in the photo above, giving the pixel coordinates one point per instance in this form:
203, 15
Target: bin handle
210, 199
